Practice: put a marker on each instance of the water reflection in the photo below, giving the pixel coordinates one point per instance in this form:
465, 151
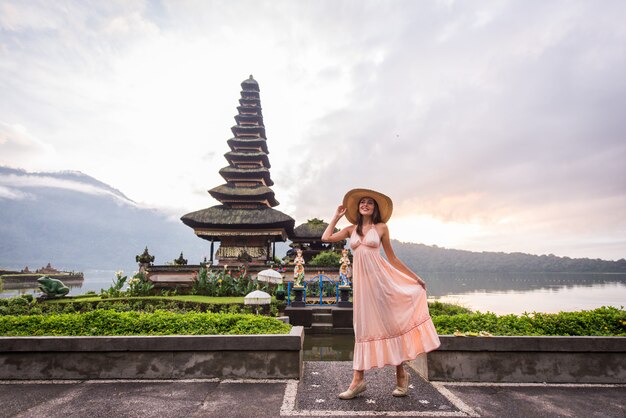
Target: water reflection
516, 293
548, 300
442, 284
336, 347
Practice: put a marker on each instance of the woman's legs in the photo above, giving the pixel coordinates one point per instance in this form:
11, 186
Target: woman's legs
402, 379
401, 374
357, 378
358, 383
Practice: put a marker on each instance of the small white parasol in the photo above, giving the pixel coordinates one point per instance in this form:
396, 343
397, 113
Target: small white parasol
269, 276
258, 297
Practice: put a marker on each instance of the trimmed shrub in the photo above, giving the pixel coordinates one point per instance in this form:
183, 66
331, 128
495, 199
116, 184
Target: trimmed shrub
109, 322
604, 321
440, 308
19, 306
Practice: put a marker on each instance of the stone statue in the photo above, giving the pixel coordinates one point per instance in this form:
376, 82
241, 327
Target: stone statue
145, 257
344, 270
52, 288
180, 261
298, 269
144, 260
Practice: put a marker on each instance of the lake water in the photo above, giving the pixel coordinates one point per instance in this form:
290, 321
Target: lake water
501, 293
94, 280
516, 293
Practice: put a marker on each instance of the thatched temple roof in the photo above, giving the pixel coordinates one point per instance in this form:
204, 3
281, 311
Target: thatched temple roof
221, 216
260, 193
311, 230
247, 156
247, 173
253, 142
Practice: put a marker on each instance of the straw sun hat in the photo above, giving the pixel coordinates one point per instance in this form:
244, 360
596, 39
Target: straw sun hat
353, 197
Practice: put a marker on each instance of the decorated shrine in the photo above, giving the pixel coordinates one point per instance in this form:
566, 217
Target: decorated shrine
308, 238
245, 223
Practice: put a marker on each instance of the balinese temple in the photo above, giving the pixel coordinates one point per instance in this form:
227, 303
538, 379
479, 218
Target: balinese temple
244, 223
308, 237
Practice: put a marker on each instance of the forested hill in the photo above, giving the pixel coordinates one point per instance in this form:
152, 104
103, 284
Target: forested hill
429, 258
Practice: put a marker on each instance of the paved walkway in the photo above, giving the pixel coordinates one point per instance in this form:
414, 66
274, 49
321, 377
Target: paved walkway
314, 396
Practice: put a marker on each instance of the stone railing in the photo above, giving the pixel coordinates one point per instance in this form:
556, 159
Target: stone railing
153, 357
526, 359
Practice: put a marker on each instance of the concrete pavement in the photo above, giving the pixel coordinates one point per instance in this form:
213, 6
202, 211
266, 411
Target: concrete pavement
315, 395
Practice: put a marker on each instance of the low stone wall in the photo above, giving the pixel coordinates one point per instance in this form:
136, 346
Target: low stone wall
342, 319
153, 357
527, 359
300, 316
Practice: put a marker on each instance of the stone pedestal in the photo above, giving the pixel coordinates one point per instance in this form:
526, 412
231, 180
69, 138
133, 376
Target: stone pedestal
344, 297
299, 297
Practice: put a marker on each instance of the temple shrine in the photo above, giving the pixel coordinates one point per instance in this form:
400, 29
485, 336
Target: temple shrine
308, 238
245, 223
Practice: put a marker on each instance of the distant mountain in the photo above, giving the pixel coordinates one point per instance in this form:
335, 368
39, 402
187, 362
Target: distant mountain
77, 222
431, 258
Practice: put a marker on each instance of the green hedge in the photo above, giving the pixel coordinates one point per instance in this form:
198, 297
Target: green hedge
29, 306
109, 322
605, 321
440, 308
448, 319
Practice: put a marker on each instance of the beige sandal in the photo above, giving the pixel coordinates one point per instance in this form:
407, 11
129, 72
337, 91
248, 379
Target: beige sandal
351, 393
401, 391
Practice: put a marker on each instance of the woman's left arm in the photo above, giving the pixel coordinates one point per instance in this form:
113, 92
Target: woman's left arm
394, 260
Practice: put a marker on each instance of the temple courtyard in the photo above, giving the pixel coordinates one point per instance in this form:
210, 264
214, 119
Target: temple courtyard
315, 395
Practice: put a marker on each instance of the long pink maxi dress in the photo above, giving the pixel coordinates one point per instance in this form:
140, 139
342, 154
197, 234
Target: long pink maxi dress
391, 319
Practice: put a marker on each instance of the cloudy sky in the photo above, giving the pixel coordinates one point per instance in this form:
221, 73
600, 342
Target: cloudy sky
494, 126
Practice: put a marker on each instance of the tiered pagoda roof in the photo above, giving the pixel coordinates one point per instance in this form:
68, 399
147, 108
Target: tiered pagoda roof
227, 218
247, 175
246, 198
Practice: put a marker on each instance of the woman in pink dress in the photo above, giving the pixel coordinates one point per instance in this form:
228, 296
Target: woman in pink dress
391, 319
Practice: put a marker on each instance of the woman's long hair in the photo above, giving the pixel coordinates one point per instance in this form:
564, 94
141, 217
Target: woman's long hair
359, 218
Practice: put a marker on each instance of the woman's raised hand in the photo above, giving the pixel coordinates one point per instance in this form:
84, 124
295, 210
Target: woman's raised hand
329, 235
341, 210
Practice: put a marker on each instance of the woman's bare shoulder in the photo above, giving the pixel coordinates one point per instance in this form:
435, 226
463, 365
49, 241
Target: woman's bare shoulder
382, 228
